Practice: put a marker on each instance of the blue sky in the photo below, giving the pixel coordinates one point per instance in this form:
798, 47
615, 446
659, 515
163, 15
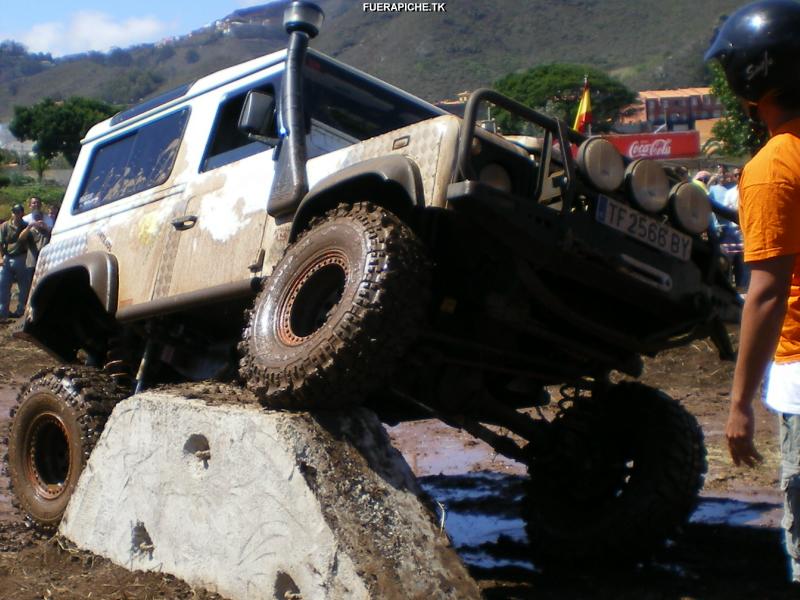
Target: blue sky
66, 27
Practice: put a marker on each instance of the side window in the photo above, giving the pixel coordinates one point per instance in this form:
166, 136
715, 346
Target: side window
137, 161
227, 144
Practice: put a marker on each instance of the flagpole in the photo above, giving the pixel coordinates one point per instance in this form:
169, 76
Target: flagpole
586, 87
583, 118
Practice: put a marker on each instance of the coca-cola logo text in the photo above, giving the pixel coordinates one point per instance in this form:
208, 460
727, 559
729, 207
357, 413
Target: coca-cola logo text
655, 149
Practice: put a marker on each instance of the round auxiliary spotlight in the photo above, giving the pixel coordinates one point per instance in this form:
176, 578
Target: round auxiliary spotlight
649, 185
690, 206
601, 163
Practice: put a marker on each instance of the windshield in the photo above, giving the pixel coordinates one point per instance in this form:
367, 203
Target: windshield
355, 106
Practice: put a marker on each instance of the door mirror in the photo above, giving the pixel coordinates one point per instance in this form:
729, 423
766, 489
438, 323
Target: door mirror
257, 119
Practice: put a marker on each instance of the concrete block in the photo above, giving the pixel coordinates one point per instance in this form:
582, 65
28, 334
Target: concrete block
255, 504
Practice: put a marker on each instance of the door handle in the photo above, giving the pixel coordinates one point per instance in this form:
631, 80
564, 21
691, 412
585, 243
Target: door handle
185, 222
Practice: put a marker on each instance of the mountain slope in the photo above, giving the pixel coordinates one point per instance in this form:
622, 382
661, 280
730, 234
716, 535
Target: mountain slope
647, 44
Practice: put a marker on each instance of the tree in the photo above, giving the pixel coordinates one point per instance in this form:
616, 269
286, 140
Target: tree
40, 164
165, 52
735, 132
7, 156
119, 58
131, 86
58, 126
556, 89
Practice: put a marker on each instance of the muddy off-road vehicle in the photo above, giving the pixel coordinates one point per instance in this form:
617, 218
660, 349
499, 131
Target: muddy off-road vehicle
329, 239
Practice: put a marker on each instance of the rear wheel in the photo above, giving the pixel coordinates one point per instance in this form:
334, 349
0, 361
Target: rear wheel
341, 306
57, 420
624, 474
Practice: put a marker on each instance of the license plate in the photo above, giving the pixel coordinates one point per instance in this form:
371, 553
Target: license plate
643, 228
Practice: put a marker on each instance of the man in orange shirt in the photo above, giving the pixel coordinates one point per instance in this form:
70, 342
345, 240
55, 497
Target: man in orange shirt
759, 49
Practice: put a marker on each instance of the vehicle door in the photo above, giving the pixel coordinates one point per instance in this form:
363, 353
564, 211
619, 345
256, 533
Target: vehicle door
226, 232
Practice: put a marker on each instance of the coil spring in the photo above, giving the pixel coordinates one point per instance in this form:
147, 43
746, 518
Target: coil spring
118, 365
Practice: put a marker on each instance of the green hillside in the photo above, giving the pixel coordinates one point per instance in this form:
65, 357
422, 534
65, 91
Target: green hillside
647, 44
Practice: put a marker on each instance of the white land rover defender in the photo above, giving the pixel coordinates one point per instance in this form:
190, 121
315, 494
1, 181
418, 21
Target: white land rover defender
329, 239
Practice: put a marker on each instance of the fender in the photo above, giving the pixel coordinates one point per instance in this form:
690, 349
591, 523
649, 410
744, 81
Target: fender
396, 174
102, 271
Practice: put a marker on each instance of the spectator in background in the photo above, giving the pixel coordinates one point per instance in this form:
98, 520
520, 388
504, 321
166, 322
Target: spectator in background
730, 236
733, 235
37, 239
728, 232
732, 195
717, 188
702, 178
36, 215
52, 214
14, 245
42, 226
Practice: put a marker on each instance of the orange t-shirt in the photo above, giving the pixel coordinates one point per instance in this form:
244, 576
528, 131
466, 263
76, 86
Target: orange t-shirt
769, 214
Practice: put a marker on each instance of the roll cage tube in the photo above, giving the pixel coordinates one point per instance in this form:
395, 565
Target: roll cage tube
555, 129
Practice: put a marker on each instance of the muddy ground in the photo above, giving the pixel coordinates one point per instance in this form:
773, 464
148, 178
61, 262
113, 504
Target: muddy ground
730, 550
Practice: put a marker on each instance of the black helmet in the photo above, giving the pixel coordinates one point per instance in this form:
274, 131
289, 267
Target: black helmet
758, 47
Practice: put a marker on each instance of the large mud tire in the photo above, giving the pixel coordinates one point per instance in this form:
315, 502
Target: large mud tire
624, 475
55, 424
340, 308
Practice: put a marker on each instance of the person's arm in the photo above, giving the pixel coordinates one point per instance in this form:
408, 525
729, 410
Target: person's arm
23, 235
762, 318
4, 239
41, 225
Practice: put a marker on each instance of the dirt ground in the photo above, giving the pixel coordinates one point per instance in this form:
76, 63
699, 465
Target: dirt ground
707, 561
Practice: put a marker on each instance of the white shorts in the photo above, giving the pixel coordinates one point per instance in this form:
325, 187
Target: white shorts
783, 388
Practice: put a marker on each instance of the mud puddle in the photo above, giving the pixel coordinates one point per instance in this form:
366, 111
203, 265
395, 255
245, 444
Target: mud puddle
739, 510
480, 495
482, 515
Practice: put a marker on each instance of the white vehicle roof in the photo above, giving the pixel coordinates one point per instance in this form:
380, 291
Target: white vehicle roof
219, 78
183, 93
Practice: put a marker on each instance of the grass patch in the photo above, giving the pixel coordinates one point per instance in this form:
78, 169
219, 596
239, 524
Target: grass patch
19, 192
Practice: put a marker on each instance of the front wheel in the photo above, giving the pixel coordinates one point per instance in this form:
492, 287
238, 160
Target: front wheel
624, 474
340, 308
57, 420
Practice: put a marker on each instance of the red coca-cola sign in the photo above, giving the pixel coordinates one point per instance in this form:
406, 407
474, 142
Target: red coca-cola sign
658, 148
671, 144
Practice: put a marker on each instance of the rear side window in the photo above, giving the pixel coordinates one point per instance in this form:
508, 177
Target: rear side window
137, 161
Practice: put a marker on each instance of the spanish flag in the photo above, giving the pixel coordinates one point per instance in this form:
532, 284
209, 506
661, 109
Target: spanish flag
583, 119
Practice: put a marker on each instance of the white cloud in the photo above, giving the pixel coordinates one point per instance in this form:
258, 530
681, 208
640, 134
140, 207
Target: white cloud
90, 30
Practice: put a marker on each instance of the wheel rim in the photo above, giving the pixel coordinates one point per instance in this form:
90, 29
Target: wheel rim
47, 455
312, 296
